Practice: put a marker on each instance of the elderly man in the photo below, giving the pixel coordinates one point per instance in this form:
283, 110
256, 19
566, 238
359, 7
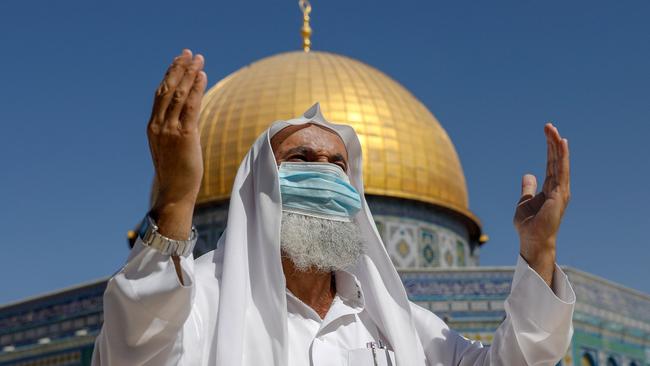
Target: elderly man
300, 276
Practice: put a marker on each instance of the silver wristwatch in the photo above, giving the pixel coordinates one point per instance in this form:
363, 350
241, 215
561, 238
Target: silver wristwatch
152, 238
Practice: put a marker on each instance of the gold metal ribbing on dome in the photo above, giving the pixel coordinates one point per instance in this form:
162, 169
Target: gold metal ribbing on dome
305, 6
406, 152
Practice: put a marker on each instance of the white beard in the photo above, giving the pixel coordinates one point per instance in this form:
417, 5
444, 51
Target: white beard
312, 243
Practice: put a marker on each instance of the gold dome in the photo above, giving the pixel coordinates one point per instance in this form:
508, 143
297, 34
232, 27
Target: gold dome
406, 153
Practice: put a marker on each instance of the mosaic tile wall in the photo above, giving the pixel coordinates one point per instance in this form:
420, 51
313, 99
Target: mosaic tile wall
418, 244
611, 328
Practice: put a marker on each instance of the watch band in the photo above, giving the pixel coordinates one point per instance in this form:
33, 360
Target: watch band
152, 238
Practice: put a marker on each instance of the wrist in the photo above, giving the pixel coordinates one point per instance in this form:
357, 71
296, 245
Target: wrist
150, 235
541, 257
174, 220
545, 260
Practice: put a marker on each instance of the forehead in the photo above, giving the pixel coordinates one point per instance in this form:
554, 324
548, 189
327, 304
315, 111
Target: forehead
314, 137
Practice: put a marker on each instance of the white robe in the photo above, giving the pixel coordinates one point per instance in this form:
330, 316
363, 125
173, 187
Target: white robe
233, 308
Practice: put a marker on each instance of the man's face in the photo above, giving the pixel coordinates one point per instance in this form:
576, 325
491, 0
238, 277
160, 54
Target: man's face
309, 143
314, 243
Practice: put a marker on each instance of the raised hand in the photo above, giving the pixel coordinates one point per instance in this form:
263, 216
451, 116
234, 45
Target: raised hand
538, 215
173, 133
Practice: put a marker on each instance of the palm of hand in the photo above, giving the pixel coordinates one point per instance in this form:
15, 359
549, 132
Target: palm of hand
538, 215
173, 131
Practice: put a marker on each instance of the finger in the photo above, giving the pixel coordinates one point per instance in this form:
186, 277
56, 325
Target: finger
551, 157
166, 88
564, 175
190, 115
556, 140
182, 91
528, 187
549, 150
559, 153
559, 142
554, 136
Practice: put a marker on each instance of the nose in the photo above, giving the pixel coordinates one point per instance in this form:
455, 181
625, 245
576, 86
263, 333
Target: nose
323, 159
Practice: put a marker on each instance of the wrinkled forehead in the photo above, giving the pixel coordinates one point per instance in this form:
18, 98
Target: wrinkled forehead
315, 137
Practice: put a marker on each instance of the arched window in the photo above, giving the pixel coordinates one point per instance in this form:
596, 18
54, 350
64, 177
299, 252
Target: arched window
611, 361
587, 360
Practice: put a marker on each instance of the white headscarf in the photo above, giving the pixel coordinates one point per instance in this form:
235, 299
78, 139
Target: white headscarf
251, 326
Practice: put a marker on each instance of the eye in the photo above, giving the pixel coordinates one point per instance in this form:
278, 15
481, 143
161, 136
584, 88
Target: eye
297, 157
343, 166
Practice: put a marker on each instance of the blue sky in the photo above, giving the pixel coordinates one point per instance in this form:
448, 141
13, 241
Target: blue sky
77, 79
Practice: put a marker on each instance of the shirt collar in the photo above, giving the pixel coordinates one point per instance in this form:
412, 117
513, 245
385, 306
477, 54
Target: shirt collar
348, 291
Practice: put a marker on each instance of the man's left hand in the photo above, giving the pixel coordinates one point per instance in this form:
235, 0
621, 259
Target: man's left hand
538, 215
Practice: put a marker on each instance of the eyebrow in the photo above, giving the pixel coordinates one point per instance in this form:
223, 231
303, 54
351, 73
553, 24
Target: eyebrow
299, 150
306, 151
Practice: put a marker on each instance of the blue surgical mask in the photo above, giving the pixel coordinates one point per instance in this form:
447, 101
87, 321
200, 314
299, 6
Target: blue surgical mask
319, 190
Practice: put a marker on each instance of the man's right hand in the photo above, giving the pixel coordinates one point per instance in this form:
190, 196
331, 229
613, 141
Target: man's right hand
175, 145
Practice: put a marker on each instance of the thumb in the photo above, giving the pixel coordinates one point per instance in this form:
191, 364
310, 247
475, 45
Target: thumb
528, 187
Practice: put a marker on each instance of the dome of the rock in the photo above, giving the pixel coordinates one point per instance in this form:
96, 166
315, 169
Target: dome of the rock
407, 154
